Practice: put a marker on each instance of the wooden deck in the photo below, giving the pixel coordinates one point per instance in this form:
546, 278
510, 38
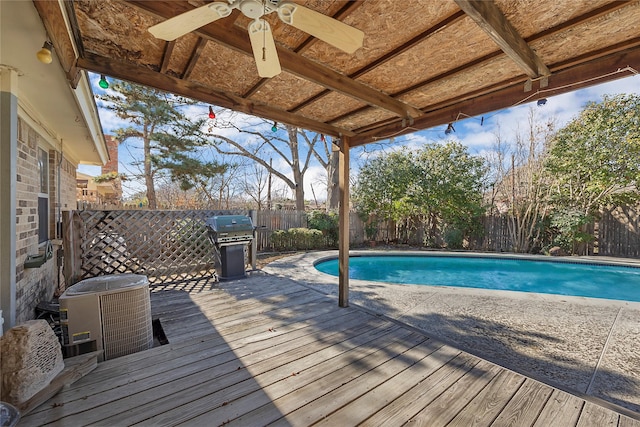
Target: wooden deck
266, 350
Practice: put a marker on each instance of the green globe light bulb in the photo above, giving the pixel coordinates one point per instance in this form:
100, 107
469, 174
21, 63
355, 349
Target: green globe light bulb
103, 83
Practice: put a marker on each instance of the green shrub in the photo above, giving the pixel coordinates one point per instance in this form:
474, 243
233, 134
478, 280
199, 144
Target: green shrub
454, 238
570, 230
296, 239
327, 223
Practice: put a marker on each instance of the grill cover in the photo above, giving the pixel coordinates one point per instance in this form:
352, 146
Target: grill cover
230, 229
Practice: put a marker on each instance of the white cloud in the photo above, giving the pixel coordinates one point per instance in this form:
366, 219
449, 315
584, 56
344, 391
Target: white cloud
478, 140
110, 122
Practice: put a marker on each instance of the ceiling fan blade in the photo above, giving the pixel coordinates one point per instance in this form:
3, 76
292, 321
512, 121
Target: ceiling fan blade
323, 27
264, 49
186, 22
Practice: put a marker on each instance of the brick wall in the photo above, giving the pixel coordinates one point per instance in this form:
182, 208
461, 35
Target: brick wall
112, 149
60, 169
112, 196
37, 284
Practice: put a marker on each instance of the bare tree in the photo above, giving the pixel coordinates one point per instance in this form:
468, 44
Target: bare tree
221, 191
255, 185
521, 186
296, 150
328, 155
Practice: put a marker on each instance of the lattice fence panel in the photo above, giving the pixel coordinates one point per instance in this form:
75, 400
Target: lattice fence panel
166, 246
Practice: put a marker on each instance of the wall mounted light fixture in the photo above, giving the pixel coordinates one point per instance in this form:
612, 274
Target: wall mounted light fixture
44, 54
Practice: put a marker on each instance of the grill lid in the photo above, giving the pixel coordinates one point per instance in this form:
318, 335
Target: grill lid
230, 223
230, 229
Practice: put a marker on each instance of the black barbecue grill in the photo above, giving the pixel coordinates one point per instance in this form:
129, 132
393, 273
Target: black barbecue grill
230, 234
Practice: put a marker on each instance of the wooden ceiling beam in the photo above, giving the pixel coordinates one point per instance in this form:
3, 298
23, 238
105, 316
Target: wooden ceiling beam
565, 79
238, 39
388, 56
426, 82
166, 57
491, 19
145, 76
309, 70
576, 21
195, 55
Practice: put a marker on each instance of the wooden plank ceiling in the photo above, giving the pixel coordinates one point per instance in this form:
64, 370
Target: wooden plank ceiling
423, 63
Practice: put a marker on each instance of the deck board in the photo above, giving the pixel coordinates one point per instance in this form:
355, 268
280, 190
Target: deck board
446, 406
486, 406
525, 405
324, 397
413, 400
267, 350
562, 408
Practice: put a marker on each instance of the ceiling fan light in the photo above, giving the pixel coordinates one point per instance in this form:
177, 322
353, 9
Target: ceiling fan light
44, 54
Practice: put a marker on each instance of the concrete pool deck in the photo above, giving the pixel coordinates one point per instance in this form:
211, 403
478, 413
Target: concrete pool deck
588, 346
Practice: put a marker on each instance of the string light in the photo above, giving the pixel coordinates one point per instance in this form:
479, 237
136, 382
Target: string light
627, 69
274, 128
449, 129
44, 54
212, 115
103, 83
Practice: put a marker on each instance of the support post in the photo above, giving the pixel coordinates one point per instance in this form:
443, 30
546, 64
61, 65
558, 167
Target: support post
343, 214
253, 247
8, 171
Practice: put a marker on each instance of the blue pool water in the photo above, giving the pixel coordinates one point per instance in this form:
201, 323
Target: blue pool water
562, 278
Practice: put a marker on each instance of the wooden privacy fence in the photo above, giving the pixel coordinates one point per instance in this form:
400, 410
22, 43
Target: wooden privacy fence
269, 221
619, 232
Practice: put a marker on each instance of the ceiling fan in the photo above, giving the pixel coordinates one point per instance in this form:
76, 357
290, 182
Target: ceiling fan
323, 27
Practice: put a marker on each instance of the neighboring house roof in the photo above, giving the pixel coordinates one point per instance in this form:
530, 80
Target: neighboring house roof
68, 115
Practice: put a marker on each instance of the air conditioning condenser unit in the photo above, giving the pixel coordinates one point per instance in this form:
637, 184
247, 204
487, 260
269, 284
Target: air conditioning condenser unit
110, 313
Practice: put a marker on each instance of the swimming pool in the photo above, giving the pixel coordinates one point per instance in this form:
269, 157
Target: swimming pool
549, 277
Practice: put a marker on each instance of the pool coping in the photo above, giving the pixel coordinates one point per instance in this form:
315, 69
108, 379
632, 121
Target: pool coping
560, 332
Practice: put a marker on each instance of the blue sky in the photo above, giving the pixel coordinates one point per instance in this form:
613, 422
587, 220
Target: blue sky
477, 133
